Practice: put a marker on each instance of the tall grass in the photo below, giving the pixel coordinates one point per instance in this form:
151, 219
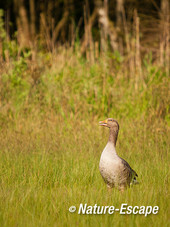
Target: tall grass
51, 142
51, 167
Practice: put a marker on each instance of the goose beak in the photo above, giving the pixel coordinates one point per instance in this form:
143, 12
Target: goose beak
103, 123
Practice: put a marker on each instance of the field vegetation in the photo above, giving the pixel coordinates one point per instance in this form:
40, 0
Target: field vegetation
51, 101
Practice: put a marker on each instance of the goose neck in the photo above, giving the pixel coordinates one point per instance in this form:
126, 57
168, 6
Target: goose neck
113, 134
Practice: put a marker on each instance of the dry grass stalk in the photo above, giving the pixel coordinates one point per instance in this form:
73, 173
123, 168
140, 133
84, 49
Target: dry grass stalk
24, 34
165, 35
7, 59
167, 41
96, 44
119, 11
91, 20
61, 23
45, 32
72, 34
167, 49
32, 19
138, 69
86, 34
103, 20
7, 24
88, 39
119, 23
1, 51
128, 45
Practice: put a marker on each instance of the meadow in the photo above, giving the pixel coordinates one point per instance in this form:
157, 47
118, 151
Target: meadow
51, 142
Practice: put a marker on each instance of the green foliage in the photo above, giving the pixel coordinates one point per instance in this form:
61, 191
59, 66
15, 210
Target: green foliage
83, 89
15, 84
2, 30
10, 46
51, 142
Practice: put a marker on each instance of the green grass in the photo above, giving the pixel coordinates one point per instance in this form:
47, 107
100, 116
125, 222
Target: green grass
51, 142
43, 173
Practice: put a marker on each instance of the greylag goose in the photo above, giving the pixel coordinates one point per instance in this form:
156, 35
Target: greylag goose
115, 171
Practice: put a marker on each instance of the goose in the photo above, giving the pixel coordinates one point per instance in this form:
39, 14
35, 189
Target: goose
115, 171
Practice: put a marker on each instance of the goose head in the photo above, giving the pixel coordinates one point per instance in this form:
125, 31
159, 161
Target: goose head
110, 123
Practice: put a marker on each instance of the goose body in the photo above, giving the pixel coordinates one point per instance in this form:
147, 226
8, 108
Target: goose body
115, 171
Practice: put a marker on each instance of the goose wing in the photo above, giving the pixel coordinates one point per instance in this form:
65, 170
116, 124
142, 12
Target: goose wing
130, 170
